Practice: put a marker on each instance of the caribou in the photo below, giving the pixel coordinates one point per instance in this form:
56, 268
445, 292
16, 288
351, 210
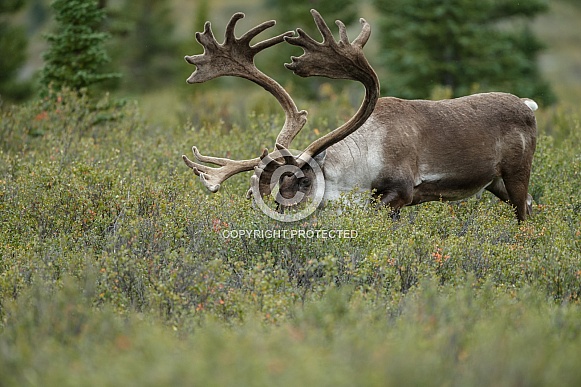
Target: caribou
404, 152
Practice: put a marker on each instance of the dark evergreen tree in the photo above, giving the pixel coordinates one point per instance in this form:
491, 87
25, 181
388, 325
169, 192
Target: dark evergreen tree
293, 14
76, 56
145, 46
463, 45
13, 43
201, 14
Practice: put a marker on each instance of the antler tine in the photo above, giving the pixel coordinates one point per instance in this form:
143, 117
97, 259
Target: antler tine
286, 155
322, 27
206, 38
329, 59
211, 177
254, 31
364, 35
209, 159
235, 57
229, 37
271, 42
245, 39
267, 160
344, 39
341, 60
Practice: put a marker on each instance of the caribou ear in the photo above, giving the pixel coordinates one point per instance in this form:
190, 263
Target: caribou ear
320, 158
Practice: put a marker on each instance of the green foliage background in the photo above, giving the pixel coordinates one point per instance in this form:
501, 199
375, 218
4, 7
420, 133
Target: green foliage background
463, 45
144, 44
114, 258
13, 43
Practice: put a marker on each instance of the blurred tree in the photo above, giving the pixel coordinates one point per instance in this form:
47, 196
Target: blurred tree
201, 14
190, 46
38, 13
294, 14
13, 44
145, 46
461, 45
76, 54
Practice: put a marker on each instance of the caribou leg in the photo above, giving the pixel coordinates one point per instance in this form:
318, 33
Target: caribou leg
523, 208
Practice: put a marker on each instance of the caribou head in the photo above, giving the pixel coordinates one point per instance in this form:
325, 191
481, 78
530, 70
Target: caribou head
404, 152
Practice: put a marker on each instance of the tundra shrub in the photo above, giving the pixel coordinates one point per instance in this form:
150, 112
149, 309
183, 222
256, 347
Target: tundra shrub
101, 219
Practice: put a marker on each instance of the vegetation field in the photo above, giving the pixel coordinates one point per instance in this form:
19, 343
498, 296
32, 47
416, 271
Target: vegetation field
118, 269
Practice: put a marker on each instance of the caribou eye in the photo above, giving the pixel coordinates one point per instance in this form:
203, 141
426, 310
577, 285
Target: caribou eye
304, 183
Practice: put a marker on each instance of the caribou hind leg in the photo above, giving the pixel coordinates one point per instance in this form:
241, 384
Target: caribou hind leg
498, 189
519, 197
514, 192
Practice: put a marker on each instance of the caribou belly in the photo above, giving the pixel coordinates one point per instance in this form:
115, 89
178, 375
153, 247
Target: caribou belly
445, 187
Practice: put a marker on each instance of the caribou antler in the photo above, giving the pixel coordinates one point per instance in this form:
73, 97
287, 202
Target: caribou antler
211, 177
235, 57
337, 60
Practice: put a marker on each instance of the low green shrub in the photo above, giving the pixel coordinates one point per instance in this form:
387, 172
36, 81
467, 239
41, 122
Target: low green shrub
115, 257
